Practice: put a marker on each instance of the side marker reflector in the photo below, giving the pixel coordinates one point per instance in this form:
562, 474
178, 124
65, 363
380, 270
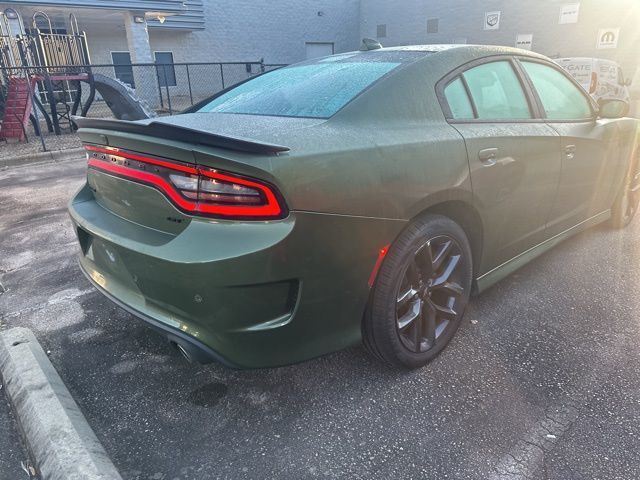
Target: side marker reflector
374, 273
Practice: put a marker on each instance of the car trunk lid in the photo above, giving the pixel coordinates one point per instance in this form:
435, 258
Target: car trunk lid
161, 146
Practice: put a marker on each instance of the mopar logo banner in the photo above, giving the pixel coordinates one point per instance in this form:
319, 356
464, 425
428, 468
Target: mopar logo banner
608, 38
492, 20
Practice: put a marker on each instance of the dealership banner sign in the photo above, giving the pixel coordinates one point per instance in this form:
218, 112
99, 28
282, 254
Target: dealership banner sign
569, 13
492, 20
524, 40
608, 38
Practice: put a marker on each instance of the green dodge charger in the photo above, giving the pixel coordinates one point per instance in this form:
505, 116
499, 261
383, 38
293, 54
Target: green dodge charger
357, 197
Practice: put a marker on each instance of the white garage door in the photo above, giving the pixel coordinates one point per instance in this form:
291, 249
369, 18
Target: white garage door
318, 49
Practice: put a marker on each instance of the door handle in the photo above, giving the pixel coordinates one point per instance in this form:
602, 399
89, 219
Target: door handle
488, 156
570, 151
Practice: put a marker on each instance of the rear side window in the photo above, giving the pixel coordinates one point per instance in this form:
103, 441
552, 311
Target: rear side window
561, 99
497, 92
458, 100
316, 90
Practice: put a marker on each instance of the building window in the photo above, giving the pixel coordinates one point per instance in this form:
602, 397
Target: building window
432, 25
122, 67
165, 68
382, 31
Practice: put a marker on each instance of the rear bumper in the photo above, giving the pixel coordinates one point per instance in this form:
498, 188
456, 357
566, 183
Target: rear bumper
197, 350
246, 294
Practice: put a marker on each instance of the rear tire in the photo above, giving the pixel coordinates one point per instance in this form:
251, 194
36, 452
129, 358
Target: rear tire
420, 294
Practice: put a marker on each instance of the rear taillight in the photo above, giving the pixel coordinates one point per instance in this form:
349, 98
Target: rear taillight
193, 189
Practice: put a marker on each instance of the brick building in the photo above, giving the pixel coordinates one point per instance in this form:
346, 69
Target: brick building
286, 31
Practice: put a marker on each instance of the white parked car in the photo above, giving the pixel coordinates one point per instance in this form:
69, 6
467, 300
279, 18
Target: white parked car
603, 79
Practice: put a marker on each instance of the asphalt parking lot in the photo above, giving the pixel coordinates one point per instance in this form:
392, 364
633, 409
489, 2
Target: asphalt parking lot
541, 382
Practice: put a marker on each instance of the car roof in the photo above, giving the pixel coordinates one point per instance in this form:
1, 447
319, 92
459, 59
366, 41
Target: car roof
586, 59
454, 54
421, 65
480, 50
434, 48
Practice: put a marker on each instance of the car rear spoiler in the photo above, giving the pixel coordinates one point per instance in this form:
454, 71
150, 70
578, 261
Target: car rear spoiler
184, 134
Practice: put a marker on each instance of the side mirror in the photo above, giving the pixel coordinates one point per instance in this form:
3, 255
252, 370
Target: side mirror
613, 108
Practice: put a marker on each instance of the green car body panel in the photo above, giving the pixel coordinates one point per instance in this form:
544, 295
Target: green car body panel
261, 293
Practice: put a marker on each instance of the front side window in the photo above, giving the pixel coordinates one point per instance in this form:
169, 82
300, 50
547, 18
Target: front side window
496, 92
315, 90
458, 100
560, 98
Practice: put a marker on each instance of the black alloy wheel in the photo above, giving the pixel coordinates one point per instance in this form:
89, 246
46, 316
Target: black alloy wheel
429, 296
420, 293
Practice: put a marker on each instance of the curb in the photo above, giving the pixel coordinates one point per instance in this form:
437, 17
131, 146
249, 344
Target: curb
42, 157
60, 440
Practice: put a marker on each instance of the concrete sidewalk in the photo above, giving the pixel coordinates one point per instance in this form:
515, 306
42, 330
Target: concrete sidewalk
12, 451
40, 157
58, 437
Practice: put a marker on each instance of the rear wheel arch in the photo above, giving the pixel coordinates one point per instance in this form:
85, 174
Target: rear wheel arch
456, 204
465, 215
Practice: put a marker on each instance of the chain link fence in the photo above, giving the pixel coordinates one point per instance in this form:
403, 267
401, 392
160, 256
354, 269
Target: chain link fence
109, 91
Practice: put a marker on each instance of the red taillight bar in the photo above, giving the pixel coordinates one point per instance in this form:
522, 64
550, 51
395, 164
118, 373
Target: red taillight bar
270, 209
141, 158
145, 177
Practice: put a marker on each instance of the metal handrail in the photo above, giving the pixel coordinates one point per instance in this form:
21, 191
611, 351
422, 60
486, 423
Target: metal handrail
7, 25
9, 50
34, 20
73, 21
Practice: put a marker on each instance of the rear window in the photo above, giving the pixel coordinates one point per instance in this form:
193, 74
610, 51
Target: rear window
496, 92
316, 90
458, 100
